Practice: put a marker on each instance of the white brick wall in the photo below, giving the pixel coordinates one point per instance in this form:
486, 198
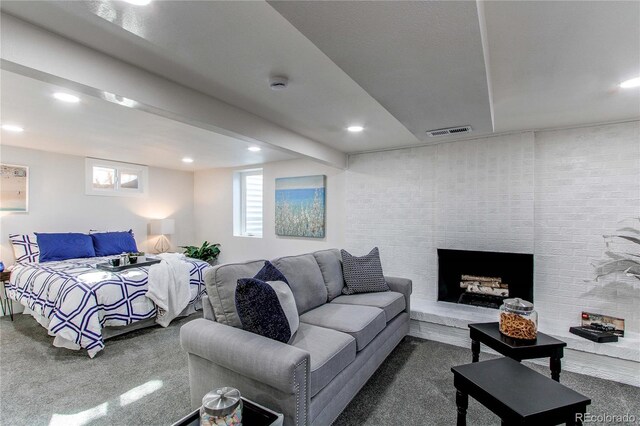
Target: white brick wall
551, 193
587, 181
391, 202
485, 194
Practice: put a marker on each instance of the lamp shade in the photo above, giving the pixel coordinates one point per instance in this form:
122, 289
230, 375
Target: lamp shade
162, 227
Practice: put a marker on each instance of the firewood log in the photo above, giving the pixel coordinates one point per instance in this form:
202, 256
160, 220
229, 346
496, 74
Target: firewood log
480, 278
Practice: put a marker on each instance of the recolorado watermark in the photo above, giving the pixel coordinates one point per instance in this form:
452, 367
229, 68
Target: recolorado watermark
607, 418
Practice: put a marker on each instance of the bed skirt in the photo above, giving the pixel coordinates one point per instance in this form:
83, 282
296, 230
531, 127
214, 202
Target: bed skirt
108, 332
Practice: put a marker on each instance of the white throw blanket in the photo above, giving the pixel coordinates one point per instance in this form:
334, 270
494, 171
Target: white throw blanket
169, 286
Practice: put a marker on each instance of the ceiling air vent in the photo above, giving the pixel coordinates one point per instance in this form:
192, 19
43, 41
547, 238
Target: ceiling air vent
449, 131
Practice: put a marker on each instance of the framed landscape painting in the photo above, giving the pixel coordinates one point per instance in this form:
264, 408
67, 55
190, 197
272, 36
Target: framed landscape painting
300, 206
14, 188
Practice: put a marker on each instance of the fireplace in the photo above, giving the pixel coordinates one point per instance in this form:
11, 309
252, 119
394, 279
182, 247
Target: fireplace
484, 278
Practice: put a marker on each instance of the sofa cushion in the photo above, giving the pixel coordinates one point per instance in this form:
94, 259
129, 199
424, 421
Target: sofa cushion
330, 264
363, 274
390, 302
363, 323
221, 282
331, 351
305, 280
267, 308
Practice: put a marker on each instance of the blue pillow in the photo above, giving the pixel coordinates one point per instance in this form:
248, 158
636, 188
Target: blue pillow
267, 308
110, 243
64, 246
270, 273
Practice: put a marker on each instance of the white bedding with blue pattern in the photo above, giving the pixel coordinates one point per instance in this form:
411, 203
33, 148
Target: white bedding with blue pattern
74, 300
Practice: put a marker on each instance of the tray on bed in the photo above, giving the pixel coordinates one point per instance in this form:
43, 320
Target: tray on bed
110, 268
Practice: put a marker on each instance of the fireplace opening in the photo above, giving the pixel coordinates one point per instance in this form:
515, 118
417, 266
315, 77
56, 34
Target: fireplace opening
482, 278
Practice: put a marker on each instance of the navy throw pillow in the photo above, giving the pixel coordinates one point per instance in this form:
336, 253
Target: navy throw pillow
64, 246
270, 273
267, 308
110, 243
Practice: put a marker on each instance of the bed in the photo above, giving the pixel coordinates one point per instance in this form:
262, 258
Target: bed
81, 305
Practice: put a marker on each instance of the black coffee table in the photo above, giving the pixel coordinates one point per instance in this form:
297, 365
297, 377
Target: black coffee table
516, 394
544, 346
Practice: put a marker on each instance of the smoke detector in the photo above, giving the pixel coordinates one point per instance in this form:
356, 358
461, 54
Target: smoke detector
449, 131
278, 82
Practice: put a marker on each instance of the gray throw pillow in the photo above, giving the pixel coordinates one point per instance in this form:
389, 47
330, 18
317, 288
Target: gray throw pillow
363, 274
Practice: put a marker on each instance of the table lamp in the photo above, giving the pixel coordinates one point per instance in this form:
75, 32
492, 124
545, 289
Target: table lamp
162, 227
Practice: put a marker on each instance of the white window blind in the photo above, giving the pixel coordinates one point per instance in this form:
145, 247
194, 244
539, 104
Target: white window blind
251, 203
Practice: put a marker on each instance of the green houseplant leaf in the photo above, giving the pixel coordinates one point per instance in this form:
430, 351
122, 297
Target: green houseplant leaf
207, 252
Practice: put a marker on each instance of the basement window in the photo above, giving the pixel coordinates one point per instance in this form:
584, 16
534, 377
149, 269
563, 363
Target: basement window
247, 206
110, 178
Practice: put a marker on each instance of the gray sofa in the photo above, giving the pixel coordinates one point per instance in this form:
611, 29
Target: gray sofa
341, 341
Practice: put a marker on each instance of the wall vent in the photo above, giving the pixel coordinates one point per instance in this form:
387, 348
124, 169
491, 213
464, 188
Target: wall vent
449, 131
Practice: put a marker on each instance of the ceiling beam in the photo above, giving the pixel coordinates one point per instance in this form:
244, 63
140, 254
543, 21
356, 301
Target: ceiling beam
487, 59
35, 52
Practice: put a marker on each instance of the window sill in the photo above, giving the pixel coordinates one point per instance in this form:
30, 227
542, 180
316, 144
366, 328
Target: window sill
247, 236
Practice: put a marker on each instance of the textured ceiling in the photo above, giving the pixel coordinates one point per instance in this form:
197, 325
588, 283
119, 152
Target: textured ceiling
229, 50
102, 129
423, 61
558, 64
398, 68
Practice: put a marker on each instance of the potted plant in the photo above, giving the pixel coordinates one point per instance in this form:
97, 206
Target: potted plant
207, 252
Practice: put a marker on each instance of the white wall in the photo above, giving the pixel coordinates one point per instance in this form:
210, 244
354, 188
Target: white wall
552, 193
587, 184
57, 201
471, 195
214, 212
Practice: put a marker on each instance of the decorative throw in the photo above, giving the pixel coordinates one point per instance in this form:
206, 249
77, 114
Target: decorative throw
25, 248
267, 308
169, 286
363, 274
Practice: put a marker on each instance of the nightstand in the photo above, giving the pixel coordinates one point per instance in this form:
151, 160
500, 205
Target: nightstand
5, 302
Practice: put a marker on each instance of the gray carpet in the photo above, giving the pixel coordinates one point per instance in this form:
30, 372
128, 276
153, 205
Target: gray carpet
415, 387
43, 385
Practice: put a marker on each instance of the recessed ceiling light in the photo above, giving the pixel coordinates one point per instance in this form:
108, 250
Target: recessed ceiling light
66, 97
634, 82
254, 148
355, 129
138, 2
12, 128
187, 160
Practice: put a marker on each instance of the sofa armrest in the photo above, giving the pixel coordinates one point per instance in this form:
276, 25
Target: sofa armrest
259, 358
207, 309
401, 285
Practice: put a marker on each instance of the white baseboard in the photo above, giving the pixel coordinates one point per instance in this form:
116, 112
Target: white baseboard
591, 364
